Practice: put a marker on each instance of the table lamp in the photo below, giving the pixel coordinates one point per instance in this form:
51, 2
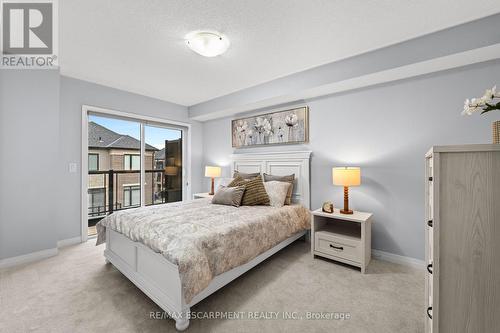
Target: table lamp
212, 172
346, 176
171, 170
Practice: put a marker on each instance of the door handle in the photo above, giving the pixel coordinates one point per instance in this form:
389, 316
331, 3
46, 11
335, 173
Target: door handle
429, 268
429, 223
337, 247
428, 312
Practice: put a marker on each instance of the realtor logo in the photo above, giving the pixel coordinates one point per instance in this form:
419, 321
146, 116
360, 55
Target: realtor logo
28, 28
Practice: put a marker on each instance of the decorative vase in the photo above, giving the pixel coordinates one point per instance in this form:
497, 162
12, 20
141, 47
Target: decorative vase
496, 132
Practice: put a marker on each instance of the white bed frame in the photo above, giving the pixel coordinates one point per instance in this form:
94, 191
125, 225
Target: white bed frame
159, 279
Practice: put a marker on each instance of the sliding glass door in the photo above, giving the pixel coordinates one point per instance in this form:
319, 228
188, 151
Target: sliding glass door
121, 153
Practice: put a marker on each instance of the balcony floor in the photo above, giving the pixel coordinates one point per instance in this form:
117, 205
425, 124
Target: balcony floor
92, 230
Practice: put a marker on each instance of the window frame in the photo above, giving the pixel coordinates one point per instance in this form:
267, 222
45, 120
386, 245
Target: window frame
130, 162
88, 160
185, 126
130, 189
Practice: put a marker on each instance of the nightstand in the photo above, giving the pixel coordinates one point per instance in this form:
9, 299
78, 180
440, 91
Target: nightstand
202, 195
341, 237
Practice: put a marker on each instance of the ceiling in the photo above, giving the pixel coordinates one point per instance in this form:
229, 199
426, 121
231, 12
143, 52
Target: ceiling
138, 45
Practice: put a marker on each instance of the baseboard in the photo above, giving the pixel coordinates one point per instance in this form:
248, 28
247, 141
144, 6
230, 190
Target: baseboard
397, 259
69, 241
26, 258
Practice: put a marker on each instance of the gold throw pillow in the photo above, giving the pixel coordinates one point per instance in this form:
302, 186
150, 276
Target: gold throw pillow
255, 192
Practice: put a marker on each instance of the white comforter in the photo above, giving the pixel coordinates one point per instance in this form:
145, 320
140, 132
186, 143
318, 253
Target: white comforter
204, 239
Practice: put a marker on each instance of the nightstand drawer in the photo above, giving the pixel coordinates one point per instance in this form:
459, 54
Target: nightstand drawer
338, 246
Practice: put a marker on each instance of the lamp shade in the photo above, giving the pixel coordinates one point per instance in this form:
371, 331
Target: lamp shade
212, 171
346, 176
171, 170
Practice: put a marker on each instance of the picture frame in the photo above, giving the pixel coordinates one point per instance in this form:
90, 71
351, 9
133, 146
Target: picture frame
282, 127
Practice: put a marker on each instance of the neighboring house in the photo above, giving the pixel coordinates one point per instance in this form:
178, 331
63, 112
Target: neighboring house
108, 150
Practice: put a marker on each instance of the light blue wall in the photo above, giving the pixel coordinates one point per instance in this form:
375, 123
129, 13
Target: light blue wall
464, 37
29, 128
40, 129
75, 93
386, 130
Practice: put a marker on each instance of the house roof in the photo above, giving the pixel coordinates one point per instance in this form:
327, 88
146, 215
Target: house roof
160, 154
102, 137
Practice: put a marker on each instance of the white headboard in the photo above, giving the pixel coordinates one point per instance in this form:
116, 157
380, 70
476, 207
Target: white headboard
280, 164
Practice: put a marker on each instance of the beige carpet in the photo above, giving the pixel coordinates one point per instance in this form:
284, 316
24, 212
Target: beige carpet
76, 292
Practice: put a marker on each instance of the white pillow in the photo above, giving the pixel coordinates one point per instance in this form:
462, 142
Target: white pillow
277, 192
222, 182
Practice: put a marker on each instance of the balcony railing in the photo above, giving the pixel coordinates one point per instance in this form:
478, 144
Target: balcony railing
100, 211
160, 190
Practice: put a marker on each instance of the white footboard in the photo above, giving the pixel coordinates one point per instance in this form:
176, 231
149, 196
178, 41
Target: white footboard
159, 279
151, 272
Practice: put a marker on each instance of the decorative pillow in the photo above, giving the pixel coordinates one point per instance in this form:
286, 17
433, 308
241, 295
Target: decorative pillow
255, 192
289, 179
277, 192
230, 196
235, 182
245, 175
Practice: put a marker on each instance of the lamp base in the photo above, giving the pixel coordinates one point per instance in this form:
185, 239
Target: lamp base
346, 209
212, 188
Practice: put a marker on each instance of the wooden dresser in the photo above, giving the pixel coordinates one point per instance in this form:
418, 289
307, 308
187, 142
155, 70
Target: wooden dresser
463, 239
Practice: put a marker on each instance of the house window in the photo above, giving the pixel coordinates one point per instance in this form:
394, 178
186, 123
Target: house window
96, 201
131, 196
93, 162
131, 162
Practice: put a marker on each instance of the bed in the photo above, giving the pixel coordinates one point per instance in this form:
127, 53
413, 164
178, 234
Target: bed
180, 253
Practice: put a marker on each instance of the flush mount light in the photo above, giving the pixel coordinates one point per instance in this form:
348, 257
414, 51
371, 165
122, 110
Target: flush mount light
207, 43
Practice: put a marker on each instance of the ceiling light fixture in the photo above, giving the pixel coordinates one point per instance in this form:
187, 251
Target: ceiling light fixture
206, 43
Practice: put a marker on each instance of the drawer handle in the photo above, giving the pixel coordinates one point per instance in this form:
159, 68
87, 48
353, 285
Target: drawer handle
428, 312
337, 247
429, 223
429, 268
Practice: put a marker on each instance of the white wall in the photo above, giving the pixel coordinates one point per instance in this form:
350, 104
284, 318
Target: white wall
29, 128
386, 130
75, 93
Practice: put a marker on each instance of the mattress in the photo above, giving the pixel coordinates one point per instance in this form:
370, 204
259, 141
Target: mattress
204, 239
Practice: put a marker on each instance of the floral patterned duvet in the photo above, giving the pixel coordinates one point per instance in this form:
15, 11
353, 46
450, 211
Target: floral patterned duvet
203, 239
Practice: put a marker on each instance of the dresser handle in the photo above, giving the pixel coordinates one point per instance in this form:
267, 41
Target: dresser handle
337, 247
429, 223
428, 313
429, 268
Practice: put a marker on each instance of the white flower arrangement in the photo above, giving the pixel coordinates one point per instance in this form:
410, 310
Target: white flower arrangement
483, 104
262, 125
291, 120
242, 126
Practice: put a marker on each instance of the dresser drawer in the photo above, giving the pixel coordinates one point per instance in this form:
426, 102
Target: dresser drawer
338, 246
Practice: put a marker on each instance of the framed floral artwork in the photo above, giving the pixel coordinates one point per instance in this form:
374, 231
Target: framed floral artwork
281, 127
